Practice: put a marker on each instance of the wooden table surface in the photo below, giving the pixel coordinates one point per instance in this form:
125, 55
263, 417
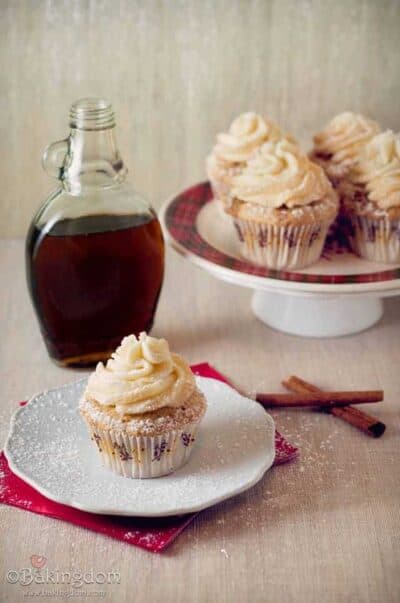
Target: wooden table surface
324, 529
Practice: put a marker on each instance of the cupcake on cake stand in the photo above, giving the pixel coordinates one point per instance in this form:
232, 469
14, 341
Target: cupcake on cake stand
339, 295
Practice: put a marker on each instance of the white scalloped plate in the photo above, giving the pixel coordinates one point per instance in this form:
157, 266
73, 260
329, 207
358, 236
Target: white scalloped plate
49, 448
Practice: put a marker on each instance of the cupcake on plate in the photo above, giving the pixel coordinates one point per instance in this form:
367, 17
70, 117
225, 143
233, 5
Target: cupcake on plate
143, 408
371, 200
338, 145
282, 207
234, 148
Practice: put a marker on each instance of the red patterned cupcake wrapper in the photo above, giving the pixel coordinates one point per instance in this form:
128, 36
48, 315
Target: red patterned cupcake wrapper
375, 239
281, 247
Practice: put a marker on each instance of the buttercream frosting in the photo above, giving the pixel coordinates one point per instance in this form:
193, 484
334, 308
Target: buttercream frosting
247, 132
280, 175
141, 376
379, 170
344, 137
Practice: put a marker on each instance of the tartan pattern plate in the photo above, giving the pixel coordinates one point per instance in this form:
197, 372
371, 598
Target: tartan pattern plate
180, 219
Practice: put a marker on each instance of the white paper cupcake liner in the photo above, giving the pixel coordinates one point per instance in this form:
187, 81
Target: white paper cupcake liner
375, 239
281, 247
144, 456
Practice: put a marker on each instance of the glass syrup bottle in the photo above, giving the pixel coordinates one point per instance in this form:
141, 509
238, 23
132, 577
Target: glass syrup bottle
94, 250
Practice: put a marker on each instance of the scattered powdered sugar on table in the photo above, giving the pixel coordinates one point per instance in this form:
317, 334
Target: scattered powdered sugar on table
2, 485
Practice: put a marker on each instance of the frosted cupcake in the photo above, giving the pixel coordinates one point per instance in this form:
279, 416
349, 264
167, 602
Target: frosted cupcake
283, 205
338, 145
143, 408
371, 200
234, 148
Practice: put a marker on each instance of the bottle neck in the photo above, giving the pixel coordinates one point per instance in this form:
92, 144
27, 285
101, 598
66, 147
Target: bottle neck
93, 160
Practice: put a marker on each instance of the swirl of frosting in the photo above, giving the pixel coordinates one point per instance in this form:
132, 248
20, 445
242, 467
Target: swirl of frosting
247, 132
379, 169
141, 376
345, 136
279, 174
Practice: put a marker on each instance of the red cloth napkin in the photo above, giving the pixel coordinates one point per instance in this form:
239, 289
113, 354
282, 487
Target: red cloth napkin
152, 534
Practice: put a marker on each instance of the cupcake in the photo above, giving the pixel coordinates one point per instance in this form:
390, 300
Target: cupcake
143, 408
371, 200
338, 145
233, 149
282, 207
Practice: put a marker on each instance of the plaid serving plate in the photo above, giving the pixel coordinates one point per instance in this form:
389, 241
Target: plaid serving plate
194, 226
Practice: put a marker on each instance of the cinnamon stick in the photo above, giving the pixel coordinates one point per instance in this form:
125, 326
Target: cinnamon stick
366, 423
320, 398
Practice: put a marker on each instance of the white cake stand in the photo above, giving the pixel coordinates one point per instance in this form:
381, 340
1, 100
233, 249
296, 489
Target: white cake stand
340, 295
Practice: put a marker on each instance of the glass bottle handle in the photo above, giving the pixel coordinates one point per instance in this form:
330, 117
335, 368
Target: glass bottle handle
53, 159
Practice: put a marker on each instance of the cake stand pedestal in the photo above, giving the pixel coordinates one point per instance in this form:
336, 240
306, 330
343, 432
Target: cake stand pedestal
316, 315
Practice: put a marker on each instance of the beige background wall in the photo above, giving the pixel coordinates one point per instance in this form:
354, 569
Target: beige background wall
177, 72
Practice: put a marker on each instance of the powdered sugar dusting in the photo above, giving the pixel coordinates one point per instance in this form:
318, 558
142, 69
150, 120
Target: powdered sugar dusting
49, 447
160, 420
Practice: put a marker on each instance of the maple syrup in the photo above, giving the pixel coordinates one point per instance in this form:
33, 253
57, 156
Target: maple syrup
94, 280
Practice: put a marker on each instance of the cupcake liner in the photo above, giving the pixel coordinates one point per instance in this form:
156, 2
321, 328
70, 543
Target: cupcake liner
281, 247
144, 456
375, 239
